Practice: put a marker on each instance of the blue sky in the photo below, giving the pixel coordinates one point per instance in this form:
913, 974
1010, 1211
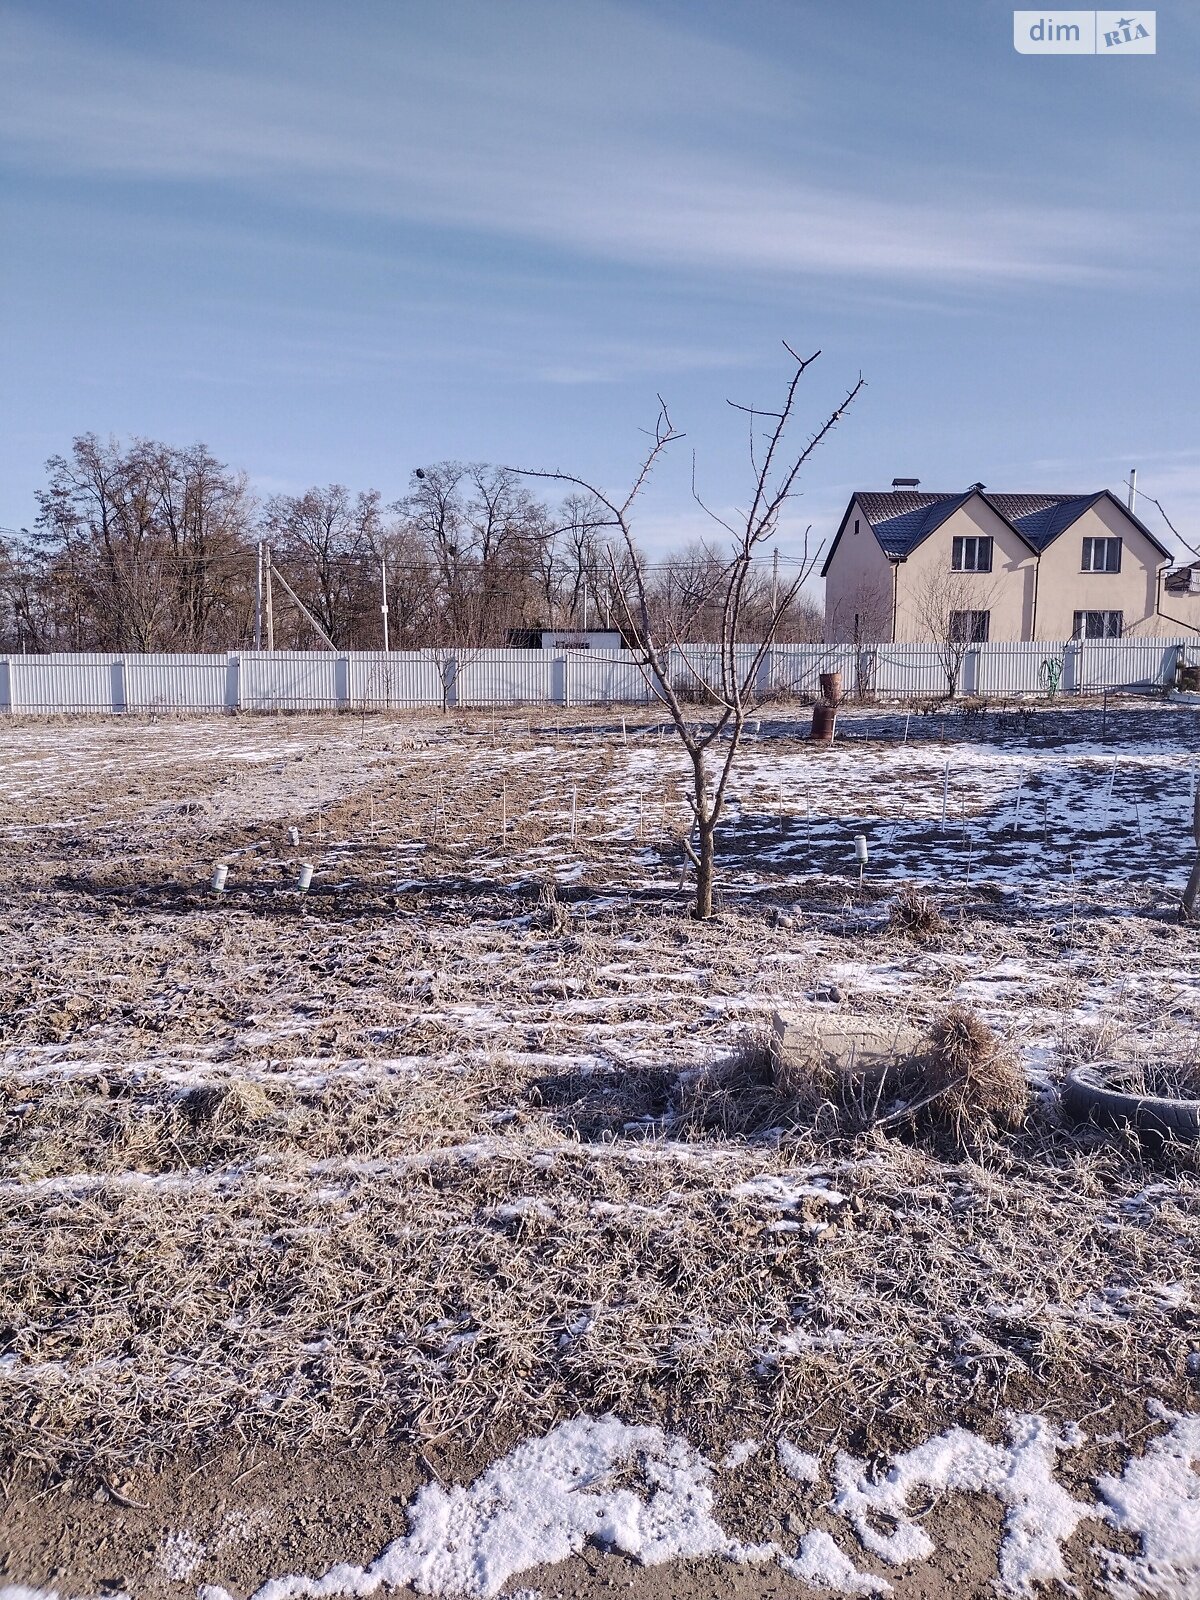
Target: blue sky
334, 241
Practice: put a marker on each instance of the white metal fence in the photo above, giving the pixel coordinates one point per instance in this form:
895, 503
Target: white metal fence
309, 680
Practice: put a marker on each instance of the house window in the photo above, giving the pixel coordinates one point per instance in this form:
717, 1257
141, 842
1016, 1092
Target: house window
969, 627
1098, 624
972, 555
1101, 555
856, 524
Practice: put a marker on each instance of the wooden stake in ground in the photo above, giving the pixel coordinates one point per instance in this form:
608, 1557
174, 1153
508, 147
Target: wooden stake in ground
1192, 892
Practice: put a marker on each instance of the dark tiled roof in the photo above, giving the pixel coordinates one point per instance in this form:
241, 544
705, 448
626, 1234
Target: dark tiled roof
903, 517
1040, 518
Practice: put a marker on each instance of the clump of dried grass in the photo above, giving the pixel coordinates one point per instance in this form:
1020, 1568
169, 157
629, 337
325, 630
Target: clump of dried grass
968, 1082
550, 913
915, 914
736, 1097
231, 1107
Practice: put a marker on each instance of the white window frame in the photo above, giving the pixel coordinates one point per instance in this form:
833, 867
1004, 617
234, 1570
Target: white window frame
1112, 624
980, 544
1094, 546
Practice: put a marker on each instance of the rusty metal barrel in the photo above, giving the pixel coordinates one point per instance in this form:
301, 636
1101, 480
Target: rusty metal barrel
823, 719
831, 688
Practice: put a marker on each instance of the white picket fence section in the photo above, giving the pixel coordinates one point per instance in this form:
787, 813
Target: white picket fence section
376, 680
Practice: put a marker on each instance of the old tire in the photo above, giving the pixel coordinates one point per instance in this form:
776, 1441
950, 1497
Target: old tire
1087, 1099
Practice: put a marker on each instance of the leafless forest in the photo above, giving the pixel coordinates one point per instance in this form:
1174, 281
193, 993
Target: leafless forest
149, 546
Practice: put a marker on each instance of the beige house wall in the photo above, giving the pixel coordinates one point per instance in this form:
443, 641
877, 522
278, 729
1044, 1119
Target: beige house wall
1064, 588
858, 583
1182, 616
927, 576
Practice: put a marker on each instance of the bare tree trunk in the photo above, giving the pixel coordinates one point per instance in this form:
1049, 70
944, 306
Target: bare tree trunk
706, 837
1192, 892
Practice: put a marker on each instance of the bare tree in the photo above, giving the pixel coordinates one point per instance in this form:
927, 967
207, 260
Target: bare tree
953, 610
573, 566
142, 547
484, 535
323, 539
205, 514
711, 737
864, 616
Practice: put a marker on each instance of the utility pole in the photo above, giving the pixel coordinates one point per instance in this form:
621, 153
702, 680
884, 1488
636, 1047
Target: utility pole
383, 590
258, 600
775, 581
270, 607
585, 604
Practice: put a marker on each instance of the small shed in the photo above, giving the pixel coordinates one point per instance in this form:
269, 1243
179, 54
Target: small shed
582, 639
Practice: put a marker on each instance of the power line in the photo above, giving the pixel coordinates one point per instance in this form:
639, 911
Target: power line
1129, 484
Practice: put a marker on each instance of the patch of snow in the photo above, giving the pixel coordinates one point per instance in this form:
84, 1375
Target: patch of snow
737, 1455
1041, 1515
179, 1556
774, 1191
1157, 1497
19, 1591
819, 1563
525, 1206
798, 1464
541, 1504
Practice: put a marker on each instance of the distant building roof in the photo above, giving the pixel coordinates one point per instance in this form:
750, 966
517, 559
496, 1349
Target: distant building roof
902, 518
1184, 580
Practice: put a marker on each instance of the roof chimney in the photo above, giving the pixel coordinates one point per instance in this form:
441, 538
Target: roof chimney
905, 483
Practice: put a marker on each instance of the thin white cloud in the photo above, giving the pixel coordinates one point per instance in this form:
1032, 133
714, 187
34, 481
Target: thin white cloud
615, 137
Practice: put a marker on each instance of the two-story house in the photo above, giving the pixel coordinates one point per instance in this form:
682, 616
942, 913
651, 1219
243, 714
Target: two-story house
978, 565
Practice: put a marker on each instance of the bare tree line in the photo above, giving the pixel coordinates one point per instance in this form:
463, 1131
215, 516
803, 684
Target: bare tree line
150, 546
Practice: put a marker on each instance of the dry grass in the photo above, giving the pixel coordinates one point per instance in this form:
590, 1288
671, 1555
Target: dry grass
736, 1097
1173, 1080
970, 1083
234, 1107
502, 1279
420, 1156
915, 914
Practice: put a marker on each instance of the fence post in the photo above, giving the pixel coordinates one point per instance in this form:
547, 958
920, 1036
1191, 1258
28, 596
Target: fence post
561, 694
116, 685
341, 683
766, 673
